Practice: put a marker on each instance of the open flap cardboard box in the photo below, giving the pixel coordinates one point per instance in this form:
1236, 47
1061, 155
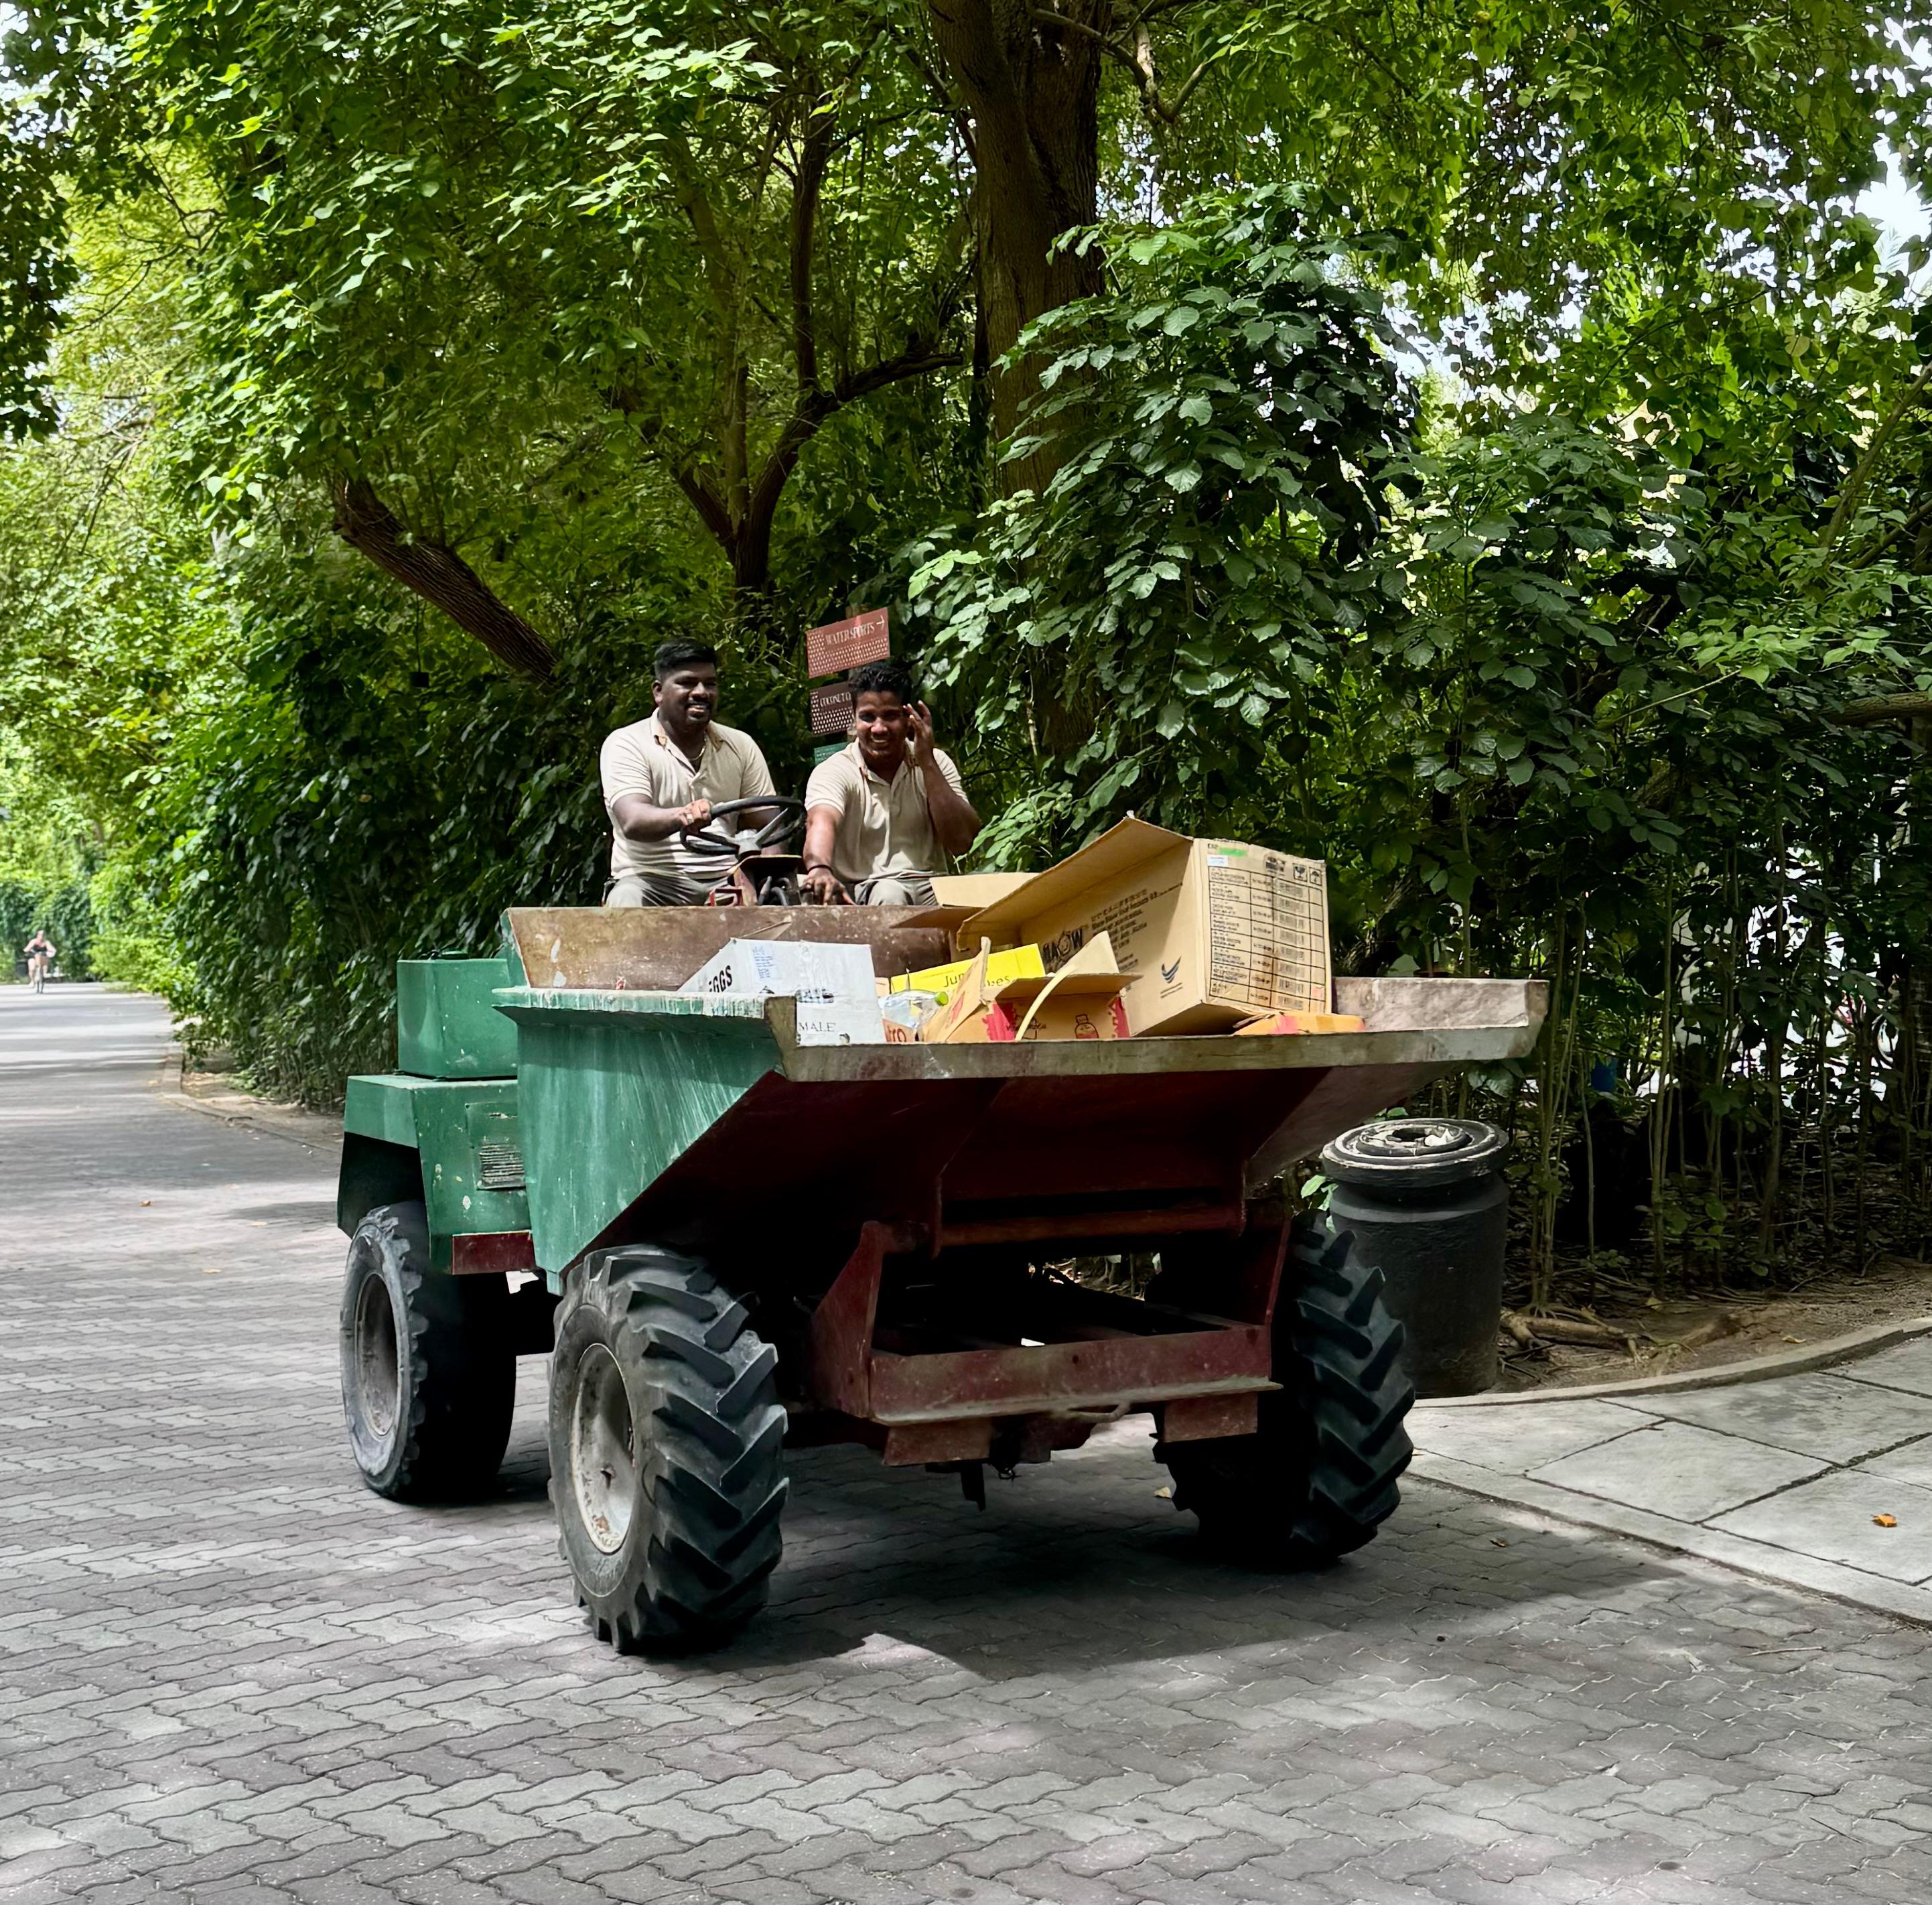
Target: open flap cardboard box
1081, 1000
957, 897
1215, 932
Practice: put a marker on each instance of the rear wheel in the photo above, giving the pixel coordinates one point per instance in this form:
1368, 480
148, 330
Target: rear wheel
429, 1374
666, 1451
1319, 1477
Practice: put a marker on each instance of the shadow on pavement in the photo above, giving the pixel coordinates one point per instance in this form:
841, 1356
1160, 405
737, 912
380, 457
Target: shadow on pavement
1081, 1564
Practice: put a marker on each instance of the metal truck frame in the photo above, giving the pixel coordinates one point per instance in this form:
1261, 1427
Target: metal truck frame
731, 1243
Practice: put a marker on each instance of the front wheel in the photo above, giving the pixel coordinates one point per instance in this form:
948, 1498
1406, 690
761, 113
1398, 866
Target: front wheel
666, 1451
1319, 1477
429, 1372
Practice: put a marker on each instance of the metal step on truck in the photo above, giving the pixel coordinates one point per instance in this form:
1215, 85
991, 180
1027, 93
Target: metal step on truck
730, 1243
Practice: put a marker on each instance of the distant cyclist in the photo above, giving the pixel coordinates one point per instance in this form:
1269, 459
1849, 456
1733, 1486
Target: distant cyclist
40, 951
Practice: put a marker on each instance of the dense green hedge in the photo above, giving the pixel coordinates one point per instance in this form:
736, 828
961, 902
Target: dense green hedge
65, 913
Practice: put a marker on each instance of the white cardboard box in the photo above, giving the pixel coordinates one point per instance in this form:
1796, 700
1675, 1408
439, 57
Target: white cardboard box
837, 999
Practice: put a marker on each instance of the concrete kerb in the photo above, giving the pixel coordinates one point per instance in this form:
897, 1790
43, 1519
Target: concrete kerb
1787, 1567
245, 1112
1757, 1368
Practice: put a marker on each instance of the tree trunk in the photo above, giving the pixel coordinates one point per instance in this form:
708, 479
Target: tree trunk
441, 577
1033, 91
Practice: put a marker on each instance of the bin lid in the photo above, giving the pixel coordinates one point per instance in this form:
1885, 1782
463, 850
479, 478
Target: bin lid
1403, 1154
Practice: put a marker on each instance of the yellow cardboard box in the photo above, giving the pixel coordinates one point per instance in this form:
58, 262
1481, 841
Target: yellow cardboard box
1215, 931
1022, 962
1291, 1024
1081, 1001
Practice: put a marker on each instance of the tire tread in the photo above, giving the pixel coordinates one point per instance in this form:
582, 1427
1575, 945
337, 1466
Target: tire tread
1331, 1445
711, 1458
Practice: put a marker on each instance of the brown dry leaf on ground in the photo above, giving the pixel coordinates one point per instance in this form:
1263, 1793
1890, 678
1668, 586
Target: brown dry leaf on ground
1886, 1521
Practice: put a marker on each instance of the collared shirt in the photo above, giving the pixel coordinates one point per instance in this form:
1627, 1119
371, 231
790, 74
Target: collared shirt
643, 760
884, 827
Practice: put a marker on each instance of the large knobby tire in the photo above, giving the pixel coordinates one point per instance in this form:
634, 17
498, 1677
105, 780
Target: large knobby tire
429, 1376
666, 1451
1319, 1477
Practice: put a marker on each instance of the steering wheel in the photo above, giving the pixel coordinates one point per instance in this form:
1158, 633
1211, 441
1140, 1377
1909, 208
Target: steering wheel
775, 836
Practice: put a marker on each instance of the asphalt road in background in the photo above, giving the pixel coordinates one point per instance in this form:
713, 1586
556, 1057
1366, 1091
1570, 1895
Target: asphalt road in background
229, 1673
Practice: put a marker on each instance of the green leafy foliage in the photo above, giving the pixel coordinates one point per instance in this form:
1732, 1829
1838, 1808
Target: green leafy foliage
1230, 420
1485, 446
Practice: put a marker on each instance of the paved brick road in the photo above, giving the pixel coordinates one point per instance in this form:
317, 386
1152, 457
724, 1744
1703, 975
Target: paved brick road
226, 1673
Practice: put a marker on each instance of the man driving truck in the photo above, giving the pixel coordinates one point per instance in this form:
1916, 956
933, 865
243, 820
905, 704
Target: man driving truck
883, 815
665, 774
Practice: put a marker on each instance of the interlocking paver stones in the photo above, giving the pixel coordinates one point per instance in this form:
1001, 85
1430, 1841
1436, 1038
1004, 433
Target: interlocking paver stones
213, 1633
1675, 1469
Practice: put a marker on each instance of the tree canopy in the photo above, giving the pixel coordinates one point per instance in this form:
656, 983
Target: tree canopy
1483, 444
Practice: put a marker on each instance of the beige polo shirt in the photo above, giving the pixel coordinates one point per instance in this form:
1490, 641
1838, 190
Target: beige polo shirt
642, 759
883, 827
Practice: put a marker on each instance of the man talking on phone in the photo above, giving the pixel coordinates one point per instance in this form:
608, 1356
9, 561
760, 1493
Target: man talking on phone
885, 813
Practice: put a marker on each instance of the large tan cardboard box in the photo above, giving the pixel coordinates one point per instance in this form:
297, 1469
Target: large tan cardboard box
1216, 931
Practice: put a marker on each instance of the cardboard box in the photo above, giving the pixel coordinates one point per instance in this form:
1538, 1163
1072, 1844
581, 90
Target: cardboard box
1215, 931
973, 890
838, 1001
1288, 1024
957, 897
1080, 1002
1021, 963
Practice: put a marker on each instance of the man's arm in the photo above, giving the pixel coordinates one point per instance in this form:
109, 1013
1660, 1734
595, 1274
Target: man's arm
820, 883
637, 819
955, 825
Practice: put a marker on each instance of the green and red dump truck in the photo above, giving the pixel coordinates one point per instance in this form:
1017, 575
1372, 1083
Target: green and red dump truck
729, 1243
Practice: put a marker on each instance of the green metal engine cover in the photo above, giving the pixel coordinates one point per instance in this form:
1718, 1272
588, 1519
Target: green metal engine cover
454, 1143
447, 1024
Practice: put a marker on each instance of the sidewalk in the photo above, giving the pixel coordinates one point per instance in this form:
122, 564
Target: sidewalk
1781, 1478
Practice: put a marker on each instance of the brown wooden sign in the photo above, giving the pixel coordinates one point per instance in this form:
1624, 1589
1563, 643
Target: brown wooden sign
838, 646
831, 706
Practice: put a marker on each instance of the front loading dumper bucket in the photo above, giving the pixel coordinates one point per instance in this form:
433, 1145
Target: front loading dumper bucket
958, 1254
834, 1180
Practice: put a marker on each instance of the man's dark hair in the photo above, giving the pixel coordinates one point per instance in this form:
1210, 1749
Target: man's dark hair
884, 678
672, 655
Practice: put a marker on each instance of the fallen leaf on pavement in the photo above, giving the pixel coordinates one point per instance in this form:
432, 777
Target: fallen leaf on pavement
1886, 1521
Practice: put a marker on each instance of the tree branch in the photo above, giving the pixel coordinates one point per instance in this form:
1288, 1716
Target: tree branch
1861, 472
689, 475
920, 357
1877, 708
435, 572
814, 152
1138, 59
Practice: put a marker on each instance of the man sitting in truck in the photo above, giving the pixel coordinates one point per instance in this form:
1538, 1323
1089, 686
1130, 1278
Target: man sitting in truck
884, 814
664, 774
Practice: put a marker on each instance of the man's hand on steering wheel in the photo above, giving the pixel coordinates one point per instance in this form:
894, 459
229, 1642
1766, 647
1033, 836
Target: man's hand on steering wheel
785, 819
694, 815
822, 887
